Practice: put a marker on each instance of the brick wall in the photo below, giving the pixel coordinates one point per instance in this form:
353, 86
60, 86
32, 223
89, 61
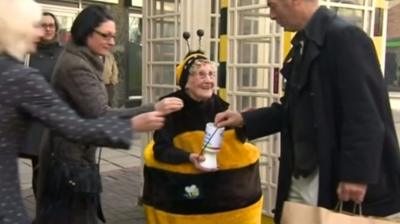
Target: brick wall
393, 23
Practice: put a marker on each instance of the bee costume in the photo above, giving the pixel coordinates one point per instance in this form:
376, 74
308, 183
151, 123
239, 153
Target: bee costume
175, 192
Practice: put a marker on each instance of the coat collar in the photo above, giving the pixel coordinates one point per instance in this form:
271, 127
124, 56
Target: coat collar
84, 53
317, 27
313, 36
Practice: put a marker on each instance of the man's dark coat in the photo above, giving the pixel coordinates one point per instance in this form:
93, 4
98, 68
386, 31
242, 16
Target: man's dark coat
341, 99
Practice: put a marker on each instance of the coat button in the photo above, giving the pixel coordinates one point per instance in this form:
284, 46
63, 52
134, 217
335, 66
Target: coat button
72, 183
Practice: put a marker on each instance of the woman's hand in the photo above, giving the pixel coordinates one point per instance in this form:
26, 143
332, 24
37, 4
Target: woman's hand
169, 105
196, 159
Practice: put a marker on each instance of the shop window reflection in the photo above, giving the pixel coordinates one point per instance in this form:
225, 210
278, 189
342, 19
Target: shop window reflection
354, 16
392, 69
134, 76
352, 2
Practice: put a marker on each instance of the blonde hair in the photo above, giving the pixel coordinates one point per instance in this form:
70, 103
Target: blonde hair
17, 20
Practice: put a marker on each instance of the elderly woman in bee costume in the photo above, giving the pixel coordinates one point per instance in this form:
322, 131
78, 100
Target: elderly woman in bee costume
177, 189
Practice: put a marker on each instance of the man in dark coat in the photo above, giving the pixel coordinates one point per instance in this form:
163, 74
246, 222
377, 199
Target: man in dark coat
337, 131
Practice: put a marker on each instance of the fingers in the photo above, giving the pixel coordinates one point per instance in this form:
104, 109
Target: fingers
201, 158
169, 105
224, 119
228, 119
223, 123
196, 159
351, 192
247, 109
220, 118
148, 121
342, 194
155, 120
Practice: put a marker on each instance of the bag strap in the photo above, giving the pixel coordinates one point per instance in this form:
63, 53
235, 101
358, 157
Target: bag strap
339, 208
99, 156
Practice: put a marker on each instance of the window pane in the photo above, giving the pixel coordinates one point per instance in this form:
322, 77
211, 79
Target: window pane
135, 29
244, 102
163, 74
232, 24
368, 19
164, 27
378, 23
157, 93
213, 51
352, 2
392, 67
354, 16
254, 79
277, 55
213, 30
254, 21
255, 51
251, 2
214, 5
163, 7
163, 51
137, 3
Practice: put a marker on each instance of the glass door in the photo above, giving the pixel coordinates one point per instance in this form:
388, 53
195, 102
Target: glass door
161, 47
253, 80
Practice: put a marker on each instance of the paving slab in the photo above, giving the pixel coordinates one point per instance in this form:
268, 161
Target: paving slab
119, 198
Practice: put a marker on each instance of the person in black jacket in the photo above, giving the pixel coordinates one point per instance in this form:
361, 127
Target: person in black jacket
43, 59
338, 140
48, 48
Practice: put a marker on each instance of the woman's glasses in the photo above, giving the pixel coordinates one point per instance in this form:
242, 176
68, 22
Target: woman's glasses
204, 74
48, 25
106, 36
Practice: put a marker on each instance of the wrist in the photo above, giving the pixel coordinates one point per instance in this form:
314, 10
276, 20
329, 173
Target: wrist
242, 122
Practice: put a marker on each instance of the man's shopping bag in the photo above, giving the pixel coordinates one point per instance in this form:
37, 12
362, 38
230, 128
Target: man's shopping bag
296, 213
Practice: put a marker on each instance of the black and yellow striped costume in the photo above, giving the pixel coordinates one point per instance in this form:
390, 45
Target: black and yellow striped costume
175, 192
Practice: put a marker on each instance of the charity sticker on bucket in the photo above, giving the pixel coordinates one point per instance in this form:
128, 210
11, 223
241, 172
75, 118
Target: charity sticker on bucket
213, 137
211, 145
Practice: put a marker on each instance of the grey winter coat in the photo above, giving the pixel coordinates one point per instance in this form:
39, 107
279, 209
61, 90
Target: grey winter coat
78, 79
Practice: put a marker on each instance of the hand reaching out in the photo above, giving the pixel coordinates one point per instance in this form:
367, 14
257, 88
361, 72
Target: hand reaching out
229, 119
149, 121
169, 105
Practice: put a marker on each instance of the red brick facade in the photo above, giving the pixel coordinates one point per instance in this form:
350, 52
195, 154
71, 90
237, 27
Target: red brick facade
393, 22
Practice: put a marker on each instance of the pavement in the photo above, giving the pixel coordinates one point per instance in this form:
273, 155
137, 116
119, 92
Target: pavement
122, 180
121, 175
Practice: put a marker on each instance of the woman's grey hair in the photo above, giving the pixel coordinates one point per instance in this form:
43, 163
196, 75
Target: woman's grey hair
17, 24
200, 62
